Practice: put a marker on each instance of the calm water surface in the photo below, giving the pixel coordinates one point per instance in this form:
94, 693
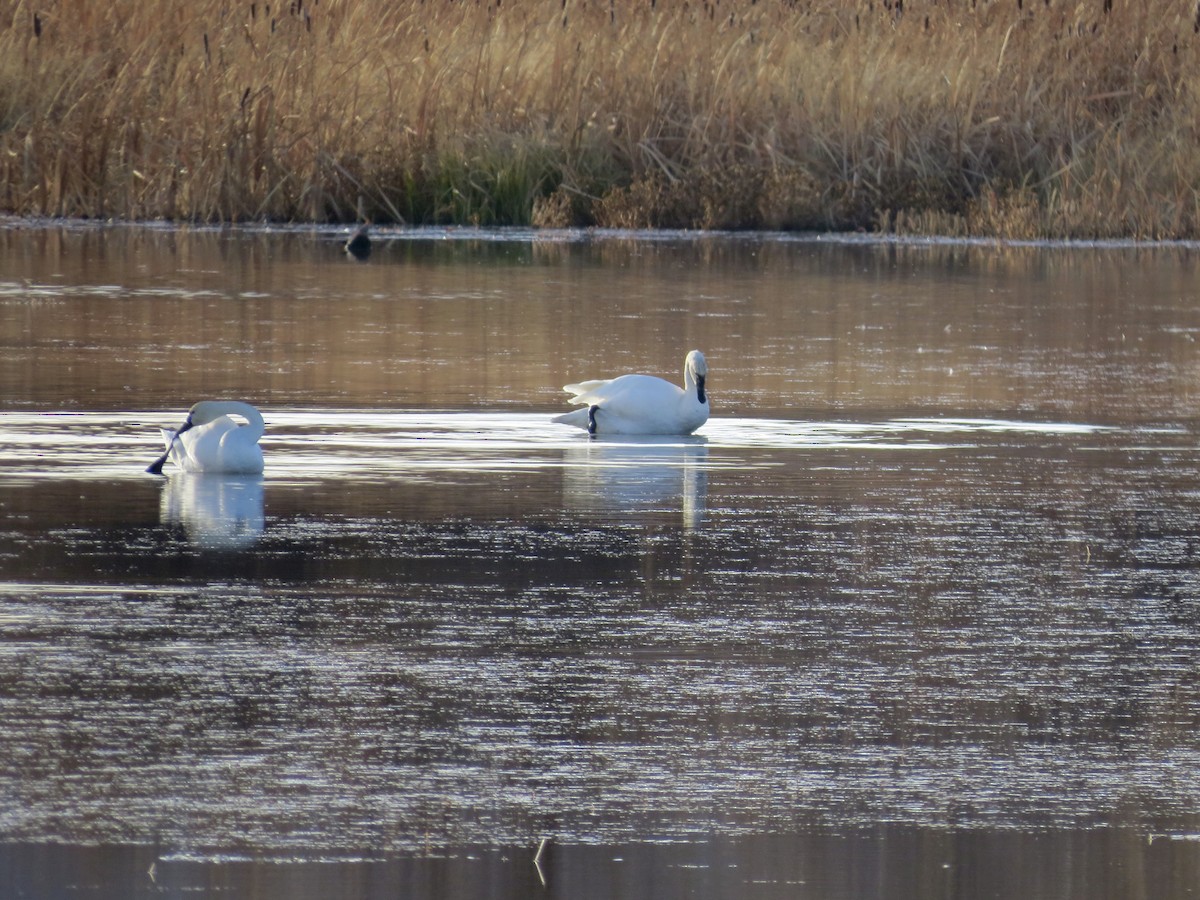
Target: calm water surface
917, 613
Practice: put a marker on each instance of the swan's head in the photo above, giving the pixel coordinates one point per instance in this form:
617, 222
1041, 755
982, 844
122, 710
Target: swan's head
156, 467
204, 412
696, 369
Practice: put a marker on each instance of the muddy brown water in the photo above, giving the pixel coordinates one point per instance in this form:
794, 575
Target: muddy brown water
917, 613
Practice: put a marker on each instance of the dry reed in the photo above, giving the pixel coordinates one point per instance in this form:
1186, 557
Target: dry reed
1018, 118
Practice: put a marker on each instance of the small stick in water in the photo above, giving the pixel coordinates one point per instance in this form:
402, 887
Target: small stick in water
537, 860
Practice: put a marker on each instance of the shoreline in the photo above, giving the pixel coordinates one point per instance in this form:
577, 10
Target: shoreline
1047, 120
336, 232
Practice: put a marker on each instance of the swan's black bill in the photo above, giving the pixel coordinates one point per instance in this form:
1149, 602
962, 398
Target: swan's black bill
156, 467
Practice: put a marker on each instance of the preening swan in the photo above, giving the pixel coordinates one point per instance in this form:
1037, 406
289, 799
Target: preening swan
641, 404
210, 441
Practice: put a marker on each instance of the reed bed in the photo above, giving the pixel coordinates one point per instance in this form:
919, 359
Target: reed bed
1013, 118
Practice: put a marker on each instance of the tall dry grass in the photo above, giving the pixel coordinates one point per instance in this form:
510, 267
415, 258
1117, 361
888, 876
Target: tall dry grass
1020, 118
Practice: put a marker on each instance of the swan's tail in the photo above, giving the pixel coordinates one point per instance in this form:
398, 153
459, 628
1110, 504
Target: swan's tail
577, 418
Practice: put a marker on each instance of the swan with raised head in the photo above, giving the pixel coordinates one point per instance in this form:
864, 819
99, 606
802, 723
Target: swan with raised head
211, 440
641, 404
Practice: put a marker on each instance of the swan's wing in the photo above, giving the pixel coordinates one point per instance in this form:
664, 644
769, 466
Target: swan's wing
643, 404
633, 404
235, 449
240, 452
634, 390
199, 449
177, 448
584, 390
636, 395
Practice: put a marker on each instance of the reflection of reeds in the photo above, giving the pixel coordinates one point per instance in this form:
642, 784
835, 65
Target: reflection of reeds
1040, 117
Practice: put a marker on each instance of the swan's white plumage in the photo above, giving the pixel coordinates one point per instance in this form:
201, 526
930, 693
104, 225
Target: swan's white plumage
210, 440
641, 404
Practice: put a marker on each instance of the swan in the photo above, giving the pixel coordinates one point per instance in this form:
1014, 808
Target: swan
641, 404
210, 441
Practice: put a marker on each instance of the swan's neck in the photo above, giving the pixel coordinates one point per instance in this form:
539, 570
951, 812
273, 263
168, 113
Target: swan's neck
255, 426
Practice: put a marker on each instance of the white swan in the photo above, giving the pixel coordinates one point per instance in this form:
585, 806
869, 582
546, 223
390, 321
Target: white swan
210, 441
642, 404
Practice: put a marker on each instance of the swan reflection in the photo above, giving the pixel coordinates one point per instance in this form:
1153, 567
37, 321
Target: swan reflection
638, 473
218, 512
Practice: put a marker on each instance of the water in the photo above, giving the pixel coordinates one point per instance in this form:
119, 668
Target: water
916, 613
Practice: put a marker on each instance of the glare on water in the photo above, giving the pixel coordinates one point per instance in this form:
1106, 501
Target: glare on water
920, 598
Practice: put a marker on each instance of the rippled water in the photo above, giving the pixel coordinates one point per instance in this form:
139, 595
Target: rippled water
915, 613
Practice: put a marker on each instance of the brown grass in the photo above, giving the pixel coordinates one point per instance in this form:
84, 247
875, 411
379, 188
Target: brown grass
1021, 118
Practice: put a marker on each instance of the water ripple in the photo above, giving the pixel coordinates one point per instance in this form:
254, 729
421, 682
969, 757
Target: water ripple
304, 444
